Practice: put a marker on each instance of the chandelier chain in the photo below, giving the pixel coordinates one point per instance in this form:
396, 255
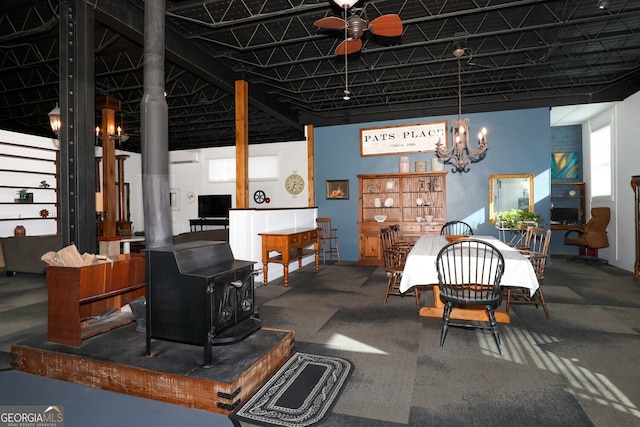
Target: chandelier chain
459, 89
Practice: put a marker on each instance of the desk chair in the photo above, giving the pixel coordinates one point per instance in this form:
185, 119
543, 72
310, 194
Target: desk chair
456, 228
591, 237
328, 239
469, 274
536, 252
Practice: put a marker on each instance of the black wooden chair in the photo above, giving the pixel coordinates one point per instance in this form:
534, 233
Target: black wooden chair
469, 274
456, 228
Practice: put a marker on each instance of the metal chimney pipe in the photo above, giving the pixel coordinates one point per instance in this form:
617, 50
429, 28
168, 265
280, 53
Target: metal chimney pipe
155, 130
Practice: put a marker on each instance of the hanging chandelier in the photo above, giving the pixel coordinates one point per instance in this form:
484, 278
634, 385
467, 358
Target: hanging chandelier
461, 154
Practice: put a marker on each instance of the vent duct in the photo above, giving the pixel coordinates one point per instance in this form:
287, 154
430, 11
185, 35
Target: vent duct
178, 157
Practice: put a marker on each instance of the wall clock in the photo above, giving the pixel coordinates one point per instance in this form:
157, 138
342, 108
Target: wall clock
294, 184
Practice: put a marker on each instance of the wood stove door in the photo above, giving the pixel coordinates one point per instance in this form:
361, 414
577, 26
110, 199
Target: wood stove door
232, 300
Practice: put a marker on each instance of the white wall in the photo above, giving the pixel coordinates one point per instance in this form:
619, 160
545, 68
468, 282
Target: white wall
132, 169
10, 210
184, 178
626, 163
191, 178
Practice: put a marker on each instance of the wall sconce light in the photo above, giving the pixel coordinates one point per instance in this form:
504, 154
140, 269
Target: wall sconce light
114, 135
54, 119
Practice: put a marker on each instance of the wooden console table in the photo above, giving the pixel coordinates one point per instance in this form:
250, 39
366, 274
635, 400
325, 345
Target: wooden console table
194, 223
289, 242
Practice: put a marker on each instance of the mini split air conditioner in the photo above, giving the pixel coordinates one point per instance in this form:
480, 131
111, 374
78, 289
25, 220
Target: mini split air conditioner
176, 157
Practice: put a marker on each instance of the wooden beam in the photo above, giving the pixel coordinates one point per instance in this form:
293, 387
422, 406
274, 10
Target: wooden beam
308, 130
220, 389
242, 144
109, 106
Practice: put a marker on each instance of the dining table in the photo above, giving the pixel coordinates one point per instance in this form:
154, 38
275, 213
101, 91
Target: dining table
420, 270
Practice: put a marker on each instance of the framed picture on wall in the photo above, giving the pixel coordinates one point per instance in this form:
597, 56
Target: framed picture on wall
565, 165
338, 189
174, 199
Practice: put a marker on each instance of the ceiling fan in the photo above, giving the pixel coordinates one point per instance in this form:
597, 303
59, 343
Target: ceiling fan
355, 23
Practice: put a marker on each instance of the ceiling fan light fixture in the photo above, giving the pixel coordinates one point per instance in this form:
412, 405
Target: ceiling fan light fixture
346, 4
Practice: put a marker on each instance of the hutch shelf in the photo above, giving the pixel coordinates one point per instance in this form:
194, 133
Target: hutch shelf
568, 195
402, 198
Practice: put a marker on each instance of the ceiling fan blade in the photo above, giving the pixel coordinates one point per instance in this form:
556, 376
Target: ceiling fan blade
331, 23
386, 25
349, 46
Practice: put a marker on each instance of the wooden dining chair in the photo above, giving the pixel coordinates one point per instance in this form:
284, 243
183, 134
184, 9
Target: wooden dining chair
469, 274
396, 239
394, 260
328, 239
537, 252
522, 239
456, 228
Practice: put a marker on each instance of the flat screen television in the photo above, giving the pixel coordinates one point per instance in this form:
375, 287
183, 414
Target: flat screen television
214, 205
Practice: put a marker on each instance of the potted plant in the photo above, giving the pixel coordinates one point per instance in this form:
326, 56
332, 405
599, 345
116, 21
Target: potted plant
24, 196
513, 219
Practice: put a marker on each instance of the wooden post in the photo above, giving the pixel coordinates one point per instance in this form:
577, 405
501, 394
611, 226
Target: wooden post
109, 107
123, 224
308, 130
242, 144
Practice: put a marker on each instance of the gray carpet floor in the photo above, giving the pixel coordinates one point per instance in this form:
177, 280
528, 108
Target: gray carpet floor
576, 368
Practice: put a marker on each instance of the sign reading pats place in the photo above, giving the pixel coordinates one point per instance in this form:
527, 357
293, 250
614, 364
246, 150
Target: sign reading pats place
413, 138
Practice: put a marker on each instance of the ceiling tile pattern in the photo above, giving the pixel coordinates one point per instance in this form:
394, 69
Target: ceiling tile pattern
518, 54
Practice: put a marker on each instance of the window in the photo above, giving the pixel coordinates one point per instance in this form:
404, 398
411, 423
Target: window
600, 143
261, 168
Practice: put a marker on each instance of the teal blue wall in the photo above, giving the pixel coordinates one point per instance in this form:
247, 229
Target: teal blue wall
518, 143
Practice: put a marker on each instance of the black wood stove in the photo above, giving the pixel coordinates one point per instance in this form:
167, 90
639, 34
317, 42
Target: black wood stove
197, 293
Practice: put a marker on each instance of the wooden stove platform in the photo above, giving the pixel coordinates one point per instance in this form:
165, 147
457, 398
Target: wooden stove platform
174, 372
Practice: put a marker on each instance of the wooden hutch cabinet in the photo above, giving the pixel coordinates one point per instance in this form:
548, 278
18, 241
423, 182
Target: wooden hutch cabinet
398, 196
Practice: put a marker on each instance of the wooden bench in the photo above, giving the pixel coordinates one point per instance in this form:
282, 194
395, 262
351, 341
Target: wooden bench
79, 295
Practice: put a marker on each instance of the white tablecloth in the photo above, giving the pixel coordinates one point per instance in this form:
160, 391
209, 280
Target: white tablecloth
420, 267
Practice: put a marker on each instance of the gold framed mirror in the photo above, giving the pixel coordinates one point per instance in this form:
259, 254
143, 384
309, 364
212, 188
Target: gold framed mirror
510, 191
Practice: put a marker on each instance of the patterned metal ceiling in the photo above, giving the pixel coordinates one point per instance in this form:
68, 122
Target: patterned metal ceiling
518, 54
